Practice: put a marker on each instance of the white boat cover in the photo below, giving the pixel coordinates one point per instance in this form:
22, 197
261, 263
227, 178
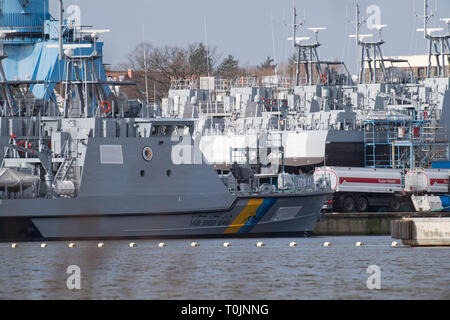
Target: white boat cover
13, 179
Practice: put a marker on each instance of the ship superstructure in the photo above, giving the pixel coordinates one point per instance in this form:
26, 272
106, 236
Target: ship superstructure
323, 115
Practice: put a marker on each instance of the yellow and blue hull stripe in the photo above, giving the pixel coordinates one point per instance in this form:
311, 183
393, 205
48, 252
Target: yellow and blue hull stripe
251, 215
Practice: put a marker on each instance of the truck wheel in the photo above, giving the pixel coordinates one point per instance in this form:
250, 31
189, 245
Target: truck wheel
362, 204
349, 204
394, 205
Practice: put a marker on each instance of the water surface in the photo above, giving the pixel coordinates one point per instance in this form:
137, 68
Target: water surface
240, 272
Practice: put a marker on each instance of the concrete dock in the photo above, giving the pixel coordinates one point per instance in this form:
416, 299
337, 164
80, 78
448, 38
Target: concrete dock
421, 232
376, 224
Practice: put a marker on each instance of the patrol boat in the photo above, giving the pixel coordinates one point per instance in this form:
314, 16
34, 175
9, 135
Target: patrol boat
88, 165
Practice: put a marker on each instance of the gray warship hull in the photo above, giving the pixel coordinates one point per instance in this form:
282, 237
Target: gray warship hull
138, 184
111, 218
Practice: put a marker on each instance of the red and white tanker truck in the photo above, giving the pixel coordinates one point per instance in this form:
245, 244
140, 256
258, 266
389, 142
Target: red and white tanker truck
427, 181
364, 189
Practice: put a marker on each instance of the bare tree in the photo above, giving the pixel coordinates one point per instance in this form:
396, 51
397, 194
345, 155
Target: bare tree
162, 65
171, 62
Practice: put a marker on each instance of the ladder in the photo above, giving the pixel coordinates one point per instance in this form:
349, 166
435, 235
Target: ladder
64, 169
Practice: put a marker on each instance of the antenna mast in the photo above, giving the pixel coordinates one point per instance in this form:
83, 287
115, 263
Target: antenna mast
426, 17
295, 26
357, 24
145, 62
308, 56
371, 54
61, 29
438, 46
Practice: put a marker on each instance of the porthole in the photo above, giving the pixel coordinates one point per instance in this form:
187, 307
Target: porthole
142, 173
169, 173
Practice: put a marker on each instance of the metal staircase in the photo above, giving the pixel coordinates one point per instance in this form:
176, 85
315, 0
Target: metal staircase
65, 170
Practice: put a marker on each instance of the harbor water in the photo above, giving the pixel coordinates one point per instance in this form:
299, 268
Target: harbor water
211, 271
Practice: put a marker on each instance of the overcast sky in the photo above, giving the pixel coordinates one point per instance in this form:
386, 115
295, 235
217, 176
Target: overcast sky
252, 29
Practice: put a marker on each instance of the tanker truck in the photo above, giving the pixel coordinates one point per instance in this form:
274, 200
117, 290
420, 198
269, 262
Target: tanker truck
427, 181
368, 189
362, 189
429, 188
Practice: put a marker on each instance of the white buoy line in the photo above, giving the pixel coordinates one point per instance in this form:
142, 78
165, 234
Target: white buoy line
260, 244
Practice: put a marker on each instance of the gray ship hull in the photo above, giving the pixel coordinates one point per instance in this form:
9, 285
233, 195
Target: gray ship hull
274, 215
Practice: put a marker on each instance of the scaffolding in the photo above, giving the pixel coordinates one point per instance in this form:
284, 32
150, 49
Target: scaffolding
403, 142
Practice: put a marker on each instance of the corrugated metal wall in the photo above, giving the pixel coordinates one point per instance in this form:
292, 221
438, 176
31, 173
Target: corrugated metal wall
21, 20
441, 165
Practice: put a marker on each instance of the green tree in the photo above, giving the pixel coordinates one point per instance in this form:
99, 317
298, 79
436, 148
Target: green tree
267, 64
229, 68
202, 60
